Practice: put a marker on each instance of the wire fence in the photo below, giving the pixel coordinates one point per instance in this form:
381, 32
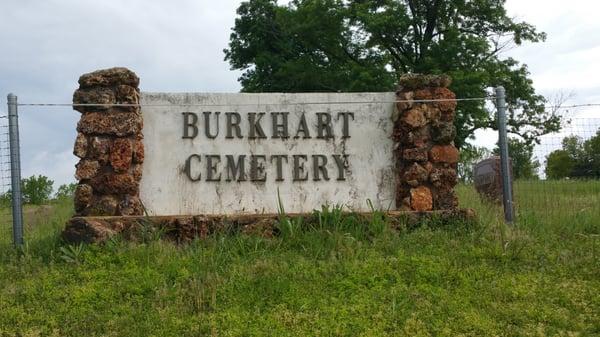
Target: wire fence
557, 179
564, 184
6, 225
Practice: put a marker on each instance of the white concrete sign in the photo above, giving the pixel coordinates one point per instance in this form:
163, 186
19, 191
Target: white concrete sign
235, 153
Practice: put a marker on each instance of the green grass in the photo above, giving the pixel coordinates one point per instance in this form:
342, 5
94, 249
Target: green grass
341, 276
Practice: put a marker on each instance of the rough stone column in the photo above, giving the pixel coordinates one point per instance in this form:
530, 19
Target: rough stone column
424, 132
109, 144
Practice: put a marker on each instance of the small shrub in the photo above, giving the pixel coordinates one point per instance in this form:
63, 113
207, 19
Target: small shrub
72, 253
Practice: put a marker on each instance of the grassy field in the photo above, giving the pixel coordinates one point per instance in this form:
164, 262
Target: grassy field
338, 278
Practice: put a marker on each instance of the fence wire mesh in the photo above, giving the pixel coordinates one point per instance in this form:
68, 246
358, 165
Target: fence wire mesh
6, 232
565, 183
559, 180
556, 180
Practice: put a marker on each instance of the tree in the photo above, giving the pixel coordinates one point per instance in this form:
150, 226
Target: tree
559, 164
591, 149
576, 159
66, 191
36, 190
365, 45
521, 154
574, 146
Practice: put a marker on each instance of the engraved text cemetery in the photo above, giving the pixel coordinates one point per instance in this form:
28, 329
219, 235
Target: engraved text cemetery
251, 167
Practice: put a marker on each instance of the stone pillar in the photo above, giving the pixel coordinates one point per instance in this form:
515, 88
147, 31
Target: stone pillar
109, 144
424, 132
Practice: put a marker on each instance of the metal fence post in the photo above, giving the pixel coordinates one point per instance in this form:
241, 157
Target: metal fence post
507, 196
15, 170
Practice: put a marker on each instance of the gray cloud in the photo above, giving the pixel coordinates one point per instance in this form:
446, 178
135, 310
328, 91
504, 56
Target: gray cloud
48, 44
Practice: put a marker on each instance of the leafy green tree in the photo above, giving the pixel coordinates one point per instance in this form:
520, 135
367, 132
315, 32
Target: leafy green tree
36, 190
559, 164
66, 191
365, 45
591, 160
574, 146
576, 159
523, 164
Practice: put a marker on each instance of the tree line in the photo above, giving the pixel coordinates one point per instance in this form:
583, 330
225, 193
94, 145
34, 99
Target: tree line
577, 158
37, 190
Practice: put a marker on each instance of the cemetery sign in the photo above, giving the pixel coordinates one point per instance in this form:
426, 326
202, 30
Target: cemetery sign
166, 154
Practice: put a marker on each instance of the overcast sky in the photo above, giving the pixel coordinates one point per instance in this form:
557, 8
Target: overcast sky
177, 46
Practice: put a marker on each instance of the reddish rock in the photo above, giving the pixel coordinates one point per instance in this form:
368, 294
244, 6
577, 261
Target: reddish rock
263, 228
86, 169
99, 149
205, 225
415, 154
421, 199
127, 94
444, 132
448, 116
119, 225
419, 81
417, 137
83, 197
138, 151
87, 230
413, 183
108, 143
405, 205
445, 178
136, 171
428, 166
416, 173
122, 184
448, 105
405, 100
414, 117
444, 154
423, 94
115, 183
109, 77
110, 123
431, 112
99, 95
130, 205
81, 146
105, 205
423, 134
121, 153
402, 191
446, 200
181, 229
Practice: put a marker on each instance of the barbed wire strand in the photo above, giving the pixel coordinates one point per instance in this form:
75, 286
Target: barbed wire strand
252, 104
572, 106
296, 103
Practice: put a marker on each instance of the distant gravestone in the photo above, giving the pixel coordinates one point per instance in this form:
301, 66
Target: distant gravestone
487, 177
